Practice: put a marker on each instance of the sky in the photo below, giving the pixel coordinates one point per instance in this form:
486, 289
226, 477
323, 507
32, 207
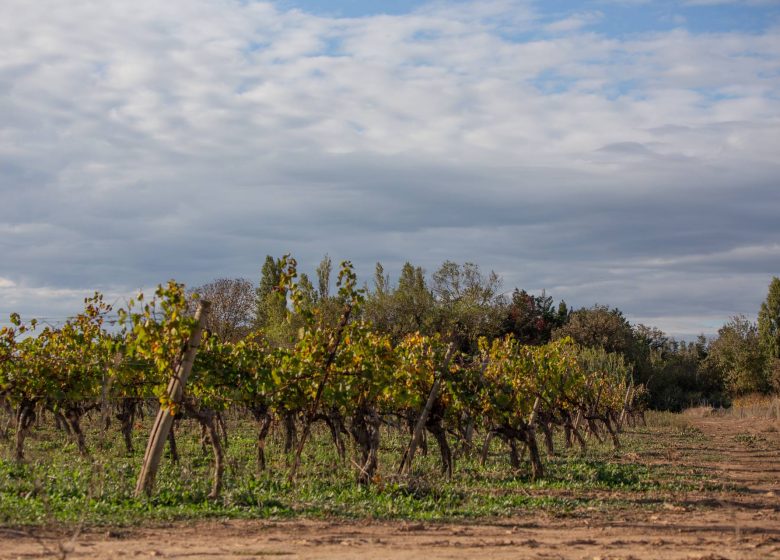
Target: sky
625, 153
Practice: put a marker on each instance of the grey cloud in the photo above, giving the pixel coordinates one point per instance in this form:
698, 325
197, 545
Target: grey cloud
188, 142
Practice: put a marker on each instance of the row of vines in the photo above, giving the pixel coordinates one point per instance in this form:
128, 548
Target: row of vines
338, 371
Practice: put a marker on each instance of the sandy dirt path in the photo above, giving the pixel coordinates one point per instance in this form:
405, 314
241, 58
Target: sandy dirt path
742, 523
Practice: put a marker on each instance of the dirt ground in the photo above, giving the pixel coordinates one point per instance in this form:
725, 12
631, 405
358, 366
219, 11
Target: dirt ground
735, 524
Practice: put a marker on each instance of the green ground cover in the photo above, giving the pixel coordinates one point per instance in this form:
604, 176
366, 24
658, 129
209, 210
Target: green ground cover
56, 486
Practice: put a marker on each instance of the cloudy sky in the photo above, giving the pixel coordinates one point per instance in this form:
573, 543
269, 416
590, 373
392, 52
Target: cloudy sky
619, 152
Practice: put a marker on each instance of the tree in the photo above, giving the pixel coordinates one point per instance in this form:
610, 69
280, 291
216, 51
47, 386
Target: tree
468, 303
653, 338
379, 309
413, 301
308, 292
381, 280
679, 373
329, 305
403, 310
532, 318
269, 307
599, 327
232, 306
769, 332
324, 270
736, 354
271, 314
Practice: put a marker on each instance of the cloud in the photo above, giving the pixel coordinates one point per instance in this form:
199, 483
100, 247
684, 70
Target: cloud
574, 22
189, 139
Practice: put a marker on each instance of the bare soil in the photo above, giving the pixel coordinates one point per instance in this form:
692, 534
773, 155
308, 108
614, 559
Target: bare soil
740, 522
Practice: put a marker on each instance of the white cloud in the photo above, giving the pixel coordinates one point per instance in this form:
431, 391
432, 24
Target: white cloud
574, 22
736, 255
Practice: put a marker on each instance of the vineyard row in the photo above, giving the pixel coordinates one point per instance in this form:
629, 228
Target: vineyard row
339, 371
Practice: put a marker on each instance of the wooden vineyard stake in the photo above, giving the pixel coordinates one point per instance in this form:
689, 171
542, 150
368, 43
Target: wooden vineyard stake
626, 403
174, 393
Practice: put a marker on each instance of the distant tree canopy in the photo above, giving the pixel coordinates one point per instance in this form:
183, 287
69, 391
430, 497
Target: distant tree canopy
461, 303
232, 312
599, 327
402, 309
468, 303
532, 319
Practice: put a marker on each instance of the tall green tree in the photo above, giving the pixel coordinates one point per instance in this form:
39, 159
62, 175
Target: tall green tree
324, 270
769, 332
737, 355
267, 305
379, 308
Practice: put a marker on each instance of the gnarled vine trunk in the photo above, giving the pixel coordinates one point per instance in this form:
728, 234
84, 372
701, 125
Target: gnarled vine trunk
365, 431
434, 424
126, 417
25, 417
207, 419
73, 416
290, 431
524, 433
264, 420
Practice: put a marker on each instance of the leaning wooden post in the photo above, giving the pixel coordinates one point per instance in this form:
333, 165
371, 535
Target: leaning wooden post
535, 411
626, 403
406, 461
174, 393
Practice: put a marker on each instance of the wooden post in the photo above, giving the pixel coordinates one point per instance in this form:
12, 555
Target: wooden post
406, 461
534, 411
626, 403
174, 392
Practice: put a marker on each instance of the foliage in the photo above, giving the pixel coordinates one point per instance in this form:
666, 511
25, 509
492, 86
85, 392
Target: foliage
58, 367
769, 332
154, 334
531, 319
737, 355
404, 309
57, 487
468, 303
599, 327
232, 310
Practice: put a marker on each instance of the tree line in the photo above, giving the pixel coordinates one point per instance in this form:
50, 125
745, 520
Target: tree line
463, 303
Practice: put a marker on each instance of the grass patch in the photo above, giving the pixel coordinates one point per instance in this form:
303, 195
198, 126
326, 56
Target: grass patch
56, 486
751, 441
